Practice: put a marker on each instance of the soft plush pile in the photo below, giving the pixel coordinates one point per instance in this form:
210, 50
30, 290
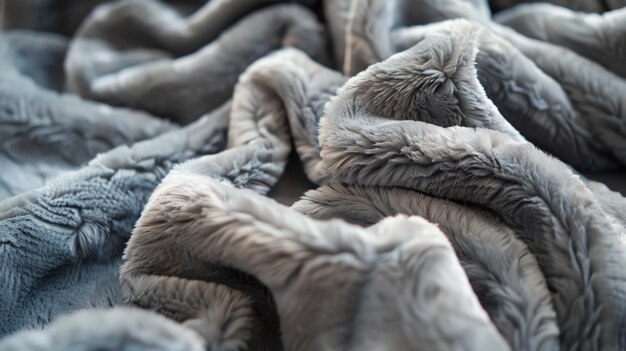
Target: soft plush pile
448, 153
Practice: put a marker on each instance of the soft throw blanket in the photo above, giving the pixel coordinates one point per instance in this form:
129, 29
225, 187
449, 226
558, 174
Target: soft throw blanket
137, 155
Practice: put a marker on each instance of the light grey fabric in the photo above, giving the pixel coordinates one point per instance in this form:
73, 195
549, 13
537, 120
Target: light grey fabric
560, 101
464, 234
292, 256
123, 178
120, 329
537, 105
363, 95
337, 15
596, 94
502, 271
576, 244
154, 284
289, 87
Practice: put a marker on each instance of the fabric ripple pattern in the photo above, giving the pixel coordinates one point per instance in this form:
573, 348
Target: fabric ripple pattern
443, 145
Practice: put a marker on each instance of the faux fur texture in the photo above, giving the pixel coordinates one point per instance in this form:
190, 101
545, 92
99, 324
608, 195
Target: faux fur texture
289, 89
361, 96
600, 38
502, 271
361, 275
439, 222
123, 178
61, 244
560, 101
42, 133
537, 196
168, 67
576, 5
441, 67
119, 329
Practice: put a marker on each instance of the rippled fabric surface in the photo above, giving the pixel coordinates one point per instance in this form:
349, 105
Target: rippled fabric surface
312, 175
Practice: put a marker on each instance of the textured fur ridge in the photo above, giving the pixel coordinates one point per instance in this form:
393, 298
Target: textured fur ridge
202, 222
503, 273
157, 78
449, 213
561, 221
119, 329
562, 102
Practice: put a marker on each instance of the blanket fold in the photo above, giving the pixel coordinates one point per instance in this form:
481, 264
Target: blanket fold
43, 133
144, 145
576, 5
293, 256
68, 235
515, 180
540, 89
599, 38
168, 71
110, 330
503, 273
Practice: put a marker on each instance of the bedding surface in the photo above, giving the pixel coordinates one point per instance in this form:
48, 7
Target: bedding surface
312, 175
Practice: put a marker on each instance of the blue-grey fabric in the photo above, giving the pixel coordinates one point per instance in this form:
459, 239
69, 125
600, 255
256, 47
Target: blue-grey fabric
62, 243
442, 146
44, 133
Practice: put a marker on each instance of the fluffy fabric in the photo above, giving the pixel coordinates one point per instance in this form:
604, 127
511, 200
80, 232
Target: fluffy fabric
153, 78
42, 133
600, 38
576, 5
361, 276
61, 244
119, 329
536, 195
560, 101
503, 273
139, 154
285, 88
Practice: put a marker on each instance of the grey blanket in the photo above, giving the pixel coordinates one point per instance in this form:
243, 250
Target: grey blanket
141, 142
